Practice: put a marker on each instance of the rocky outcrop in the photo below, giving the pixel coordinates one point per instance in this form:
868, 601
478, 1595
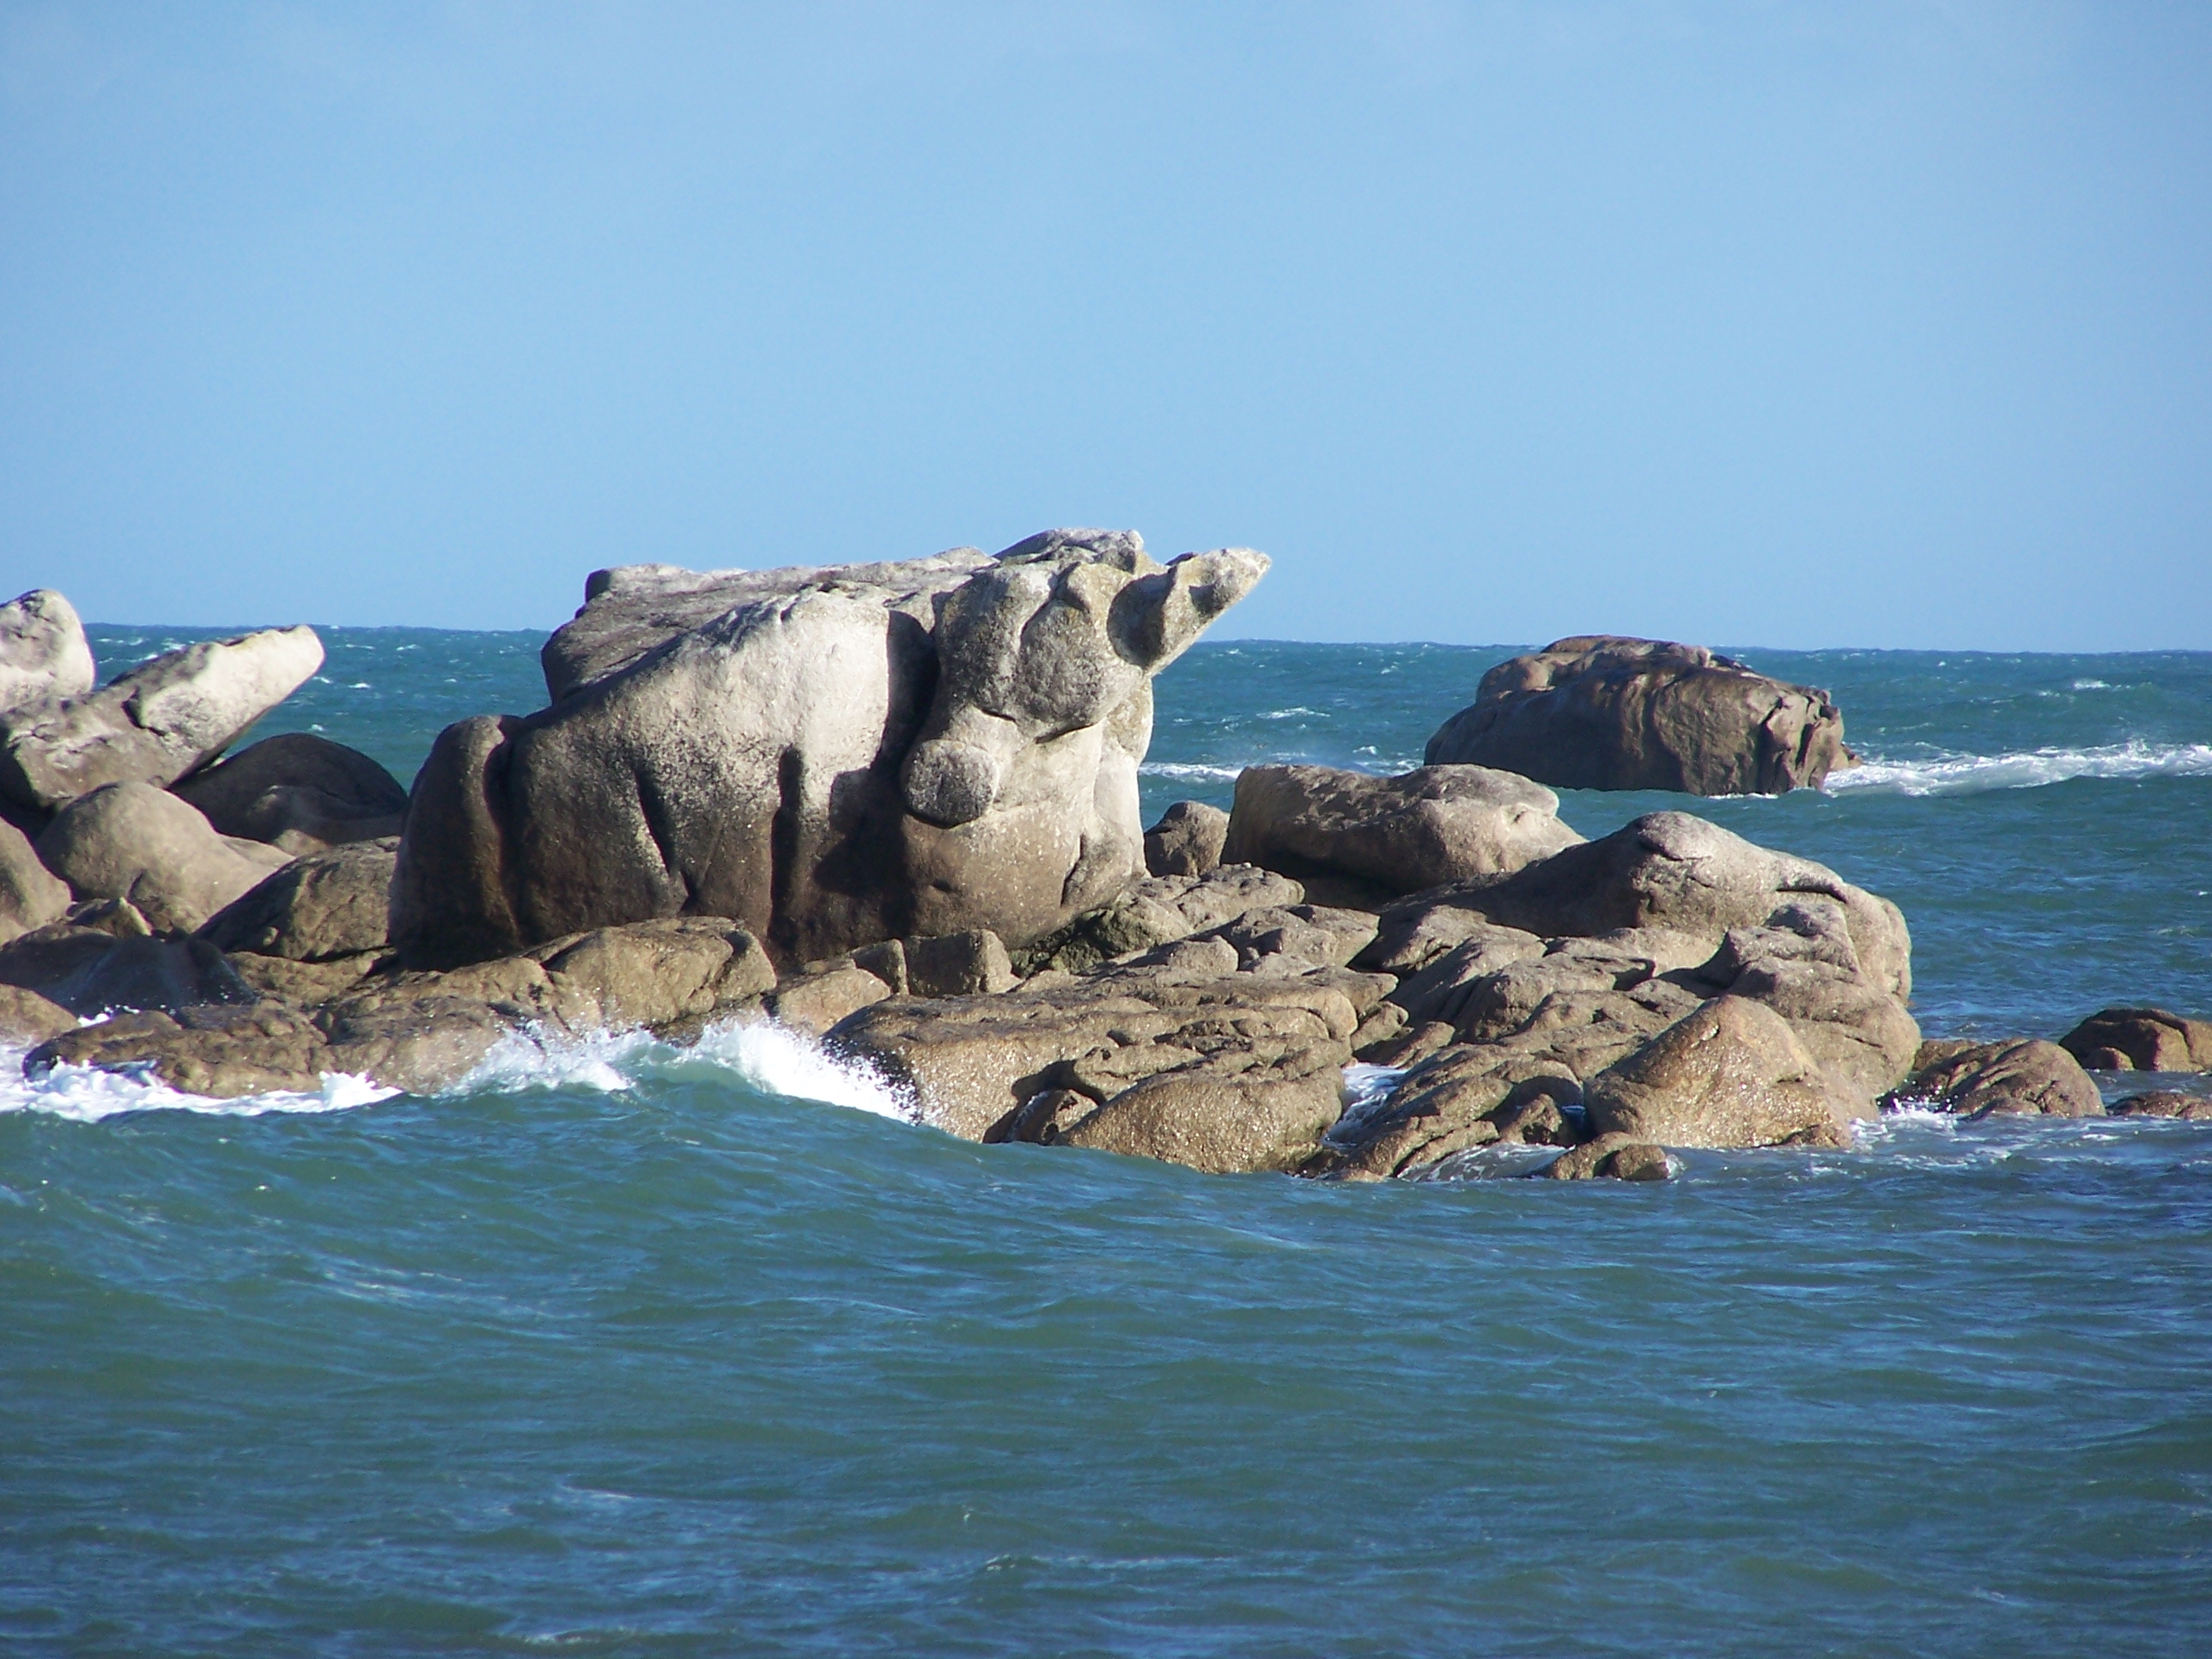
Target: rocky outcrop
1388, 836
421, 1031
2164, 1102
1617, 1157
31, 895
1732, 1074
1607, 712
324, 905
91, 971
1187, 840
869, 753
44, 656
299, 792
1157, 911
2141, 1039
133, 841
2024, 1077
154, 723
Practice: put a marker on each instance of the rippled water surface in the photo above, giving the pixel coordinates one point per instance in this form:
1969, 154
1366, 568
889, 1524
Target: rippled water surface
629, 1350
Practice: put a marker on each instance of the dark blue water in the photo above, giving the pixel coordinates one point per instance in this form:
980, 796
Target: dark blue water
634, 1352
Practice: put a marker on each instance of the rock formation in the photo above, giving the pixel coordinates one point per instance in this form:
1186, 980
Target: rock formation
2141, 1039
299, 792
1605, 713
848, 754
44, 655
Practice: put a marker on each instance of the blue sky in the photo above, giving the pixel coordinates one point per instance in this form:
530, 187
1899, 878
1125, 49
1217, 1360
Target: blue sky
1758, 324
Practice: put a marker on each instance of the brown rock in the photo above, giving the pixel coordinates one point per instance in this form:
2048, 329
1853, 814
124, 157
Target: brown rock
2024, 1077
299, 792
1731, 1074
332, 903
1157, 911
1187, 840
131, 840
813, 1002
31, 895
26, 1016
1399, 835
973, 964
222, 1052
2164, 1102
2145, 1039
90, 972
1618, 1156
1608, 712
656, 973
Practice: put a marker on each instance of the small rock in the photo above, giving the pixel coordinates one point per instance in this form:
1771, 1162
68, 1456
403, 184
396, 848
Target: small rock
31, 895
332, 903
1618, 1156
1187, 840
814, 1001
1731, 1074
2026, 1076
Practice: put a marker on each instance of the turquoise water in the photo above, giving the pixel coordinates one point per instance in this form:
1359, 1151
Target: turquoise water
634, 1352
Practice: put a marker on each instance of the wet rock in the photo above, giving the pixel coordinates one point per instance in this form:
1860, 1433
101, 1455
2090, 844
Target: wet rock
2141, 1039
1398, 834
1608, 712
2024, 1077
131, 840
1731, 1074
89, 972
31, 895
326, 904
215, 1050
299, 792
1157, 911
27, 1017
1179, 1055
154, 723
973, 964
847, 760
1460, 1098
655, 973
2159, 1103
1616, 1157
44, 657
1187, 840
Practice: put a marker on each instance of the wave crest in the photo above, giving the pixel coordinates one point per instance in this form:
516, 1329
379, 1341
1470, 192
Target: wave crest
1962, 775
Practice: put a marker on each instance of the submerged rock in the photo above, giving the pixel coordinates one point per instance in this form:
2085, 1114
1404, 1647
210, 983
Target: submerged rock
1600, 712
154, 723
1614, 1157
863, 753
2164, 1102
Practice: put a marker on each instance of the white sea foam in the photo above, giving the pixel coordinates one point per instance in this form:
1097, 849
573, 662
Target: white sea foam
1189, 769
772, 1059
1961, 775
86, 1095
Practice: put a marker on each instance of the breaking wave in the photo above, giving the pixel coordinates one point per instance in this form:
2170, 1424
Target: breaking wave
771, 1059
1963, 775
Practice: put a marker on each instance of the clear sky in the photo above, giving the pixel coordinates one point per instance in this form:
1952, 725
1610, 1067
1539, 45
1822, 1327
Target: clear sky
1773, 323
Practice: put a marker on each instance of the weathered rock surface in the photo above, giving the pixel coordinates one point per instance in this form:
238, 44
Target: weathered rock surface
326, 904
418, 1032
2141, 1039
1178, 1056
1187, 840
31, 895
90, 972
298, 791
973, 964
1606, 713
1466, 1096
134, 842
2026, 1076
870, 755
27, 1017
1732, 1074
44, 656
154, 723
1157, 911
1394, 835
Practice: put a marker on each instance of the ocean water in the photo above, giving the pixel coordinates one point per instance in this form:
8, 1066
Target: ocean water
625, 1350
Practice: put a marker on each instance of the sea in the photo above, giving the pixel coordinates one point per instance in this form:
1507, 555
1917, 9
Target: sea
623, 1349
